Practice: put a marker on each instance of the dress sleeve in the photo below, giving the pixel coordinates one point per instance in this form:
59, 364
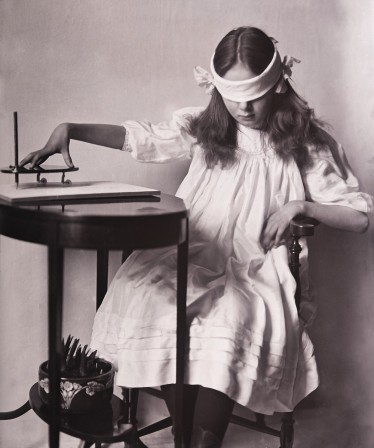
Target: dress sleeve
161, 142
328, 179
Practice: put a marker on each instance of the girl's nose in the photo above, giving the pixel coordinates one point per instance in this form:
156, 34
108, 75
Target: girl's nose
246, 106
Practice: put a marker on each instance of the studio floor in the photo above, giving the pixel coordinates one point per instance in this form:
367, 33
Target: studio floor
307, 435
317, 426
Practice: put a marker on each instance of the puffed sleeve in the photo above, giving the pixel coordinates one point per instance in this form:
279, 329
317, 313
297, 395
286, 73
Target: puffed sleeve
328, 179
161, 142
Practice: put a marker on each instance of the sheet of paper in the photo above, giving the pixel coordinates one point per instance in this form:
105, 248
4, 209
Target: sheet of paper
78, 190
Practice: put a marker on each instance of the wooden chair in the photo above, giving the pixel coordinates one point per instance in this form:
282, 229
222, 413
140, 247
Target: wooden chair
301, 227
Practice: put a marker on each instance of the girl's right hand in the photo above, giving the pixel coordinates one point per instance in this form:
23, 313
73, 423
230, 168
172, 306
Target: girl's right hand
58, 142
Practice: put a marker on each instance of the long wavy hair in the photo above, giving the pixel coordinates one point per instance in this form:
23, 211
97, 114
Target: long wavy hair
291, 124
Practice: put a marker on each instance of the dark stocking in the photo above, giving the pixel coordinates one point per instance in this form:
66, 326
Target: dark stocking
207, 414
212, 416
189, 400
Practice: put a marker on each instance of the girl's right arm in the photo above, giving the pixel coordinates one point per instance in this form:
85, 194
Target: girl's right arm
111, 136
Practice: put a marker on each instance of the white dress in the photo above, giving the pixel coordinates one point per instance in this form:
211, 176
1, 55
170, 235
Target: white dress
245, 337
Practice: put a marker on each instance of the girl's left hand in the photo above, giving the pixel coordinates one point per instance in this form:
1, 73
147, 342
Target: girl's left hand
278, 223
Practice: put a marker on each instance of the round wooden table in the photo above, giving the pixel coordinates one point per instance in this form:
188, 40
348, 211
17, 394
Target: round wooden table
100, 225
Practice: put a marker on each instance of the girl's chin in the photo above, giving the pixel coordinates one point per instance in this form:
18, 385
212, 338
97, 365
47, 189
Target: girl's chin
249, 123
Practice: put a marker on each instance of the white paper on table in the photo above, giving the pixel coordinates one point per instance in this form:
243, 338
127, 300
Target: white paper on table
78, 190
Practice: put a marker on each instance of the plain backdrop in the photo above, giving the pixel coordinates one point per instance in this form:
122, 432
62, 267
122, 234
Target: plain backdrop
107, 61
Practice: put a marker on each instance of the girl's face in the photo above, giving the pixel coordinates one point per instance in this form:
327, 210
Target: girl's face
250, 114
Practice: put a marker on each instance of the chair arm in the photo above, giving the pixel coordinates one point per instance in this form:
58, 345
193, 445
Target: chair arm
300, 226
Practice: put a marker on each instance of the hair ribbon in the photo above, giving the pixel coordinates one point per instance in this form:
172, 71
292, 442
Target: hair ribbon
204, 79
287, 65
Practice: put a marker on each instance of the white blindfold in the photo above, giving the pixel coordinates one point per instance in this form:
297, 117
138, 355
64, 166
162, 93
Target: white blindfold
249, 89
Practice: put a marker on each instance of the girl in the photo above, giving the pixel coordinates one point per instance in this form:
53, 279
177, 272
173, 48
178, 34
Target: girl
259, 157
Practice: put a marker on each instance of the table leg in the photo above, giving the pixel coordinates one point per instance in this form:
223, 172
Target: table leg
101, 275
55, 296
182, 261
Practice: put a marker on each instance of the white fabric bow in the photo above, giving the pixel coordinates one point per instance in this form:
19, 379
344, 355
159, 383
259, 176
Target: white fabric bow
204, 79
287, 65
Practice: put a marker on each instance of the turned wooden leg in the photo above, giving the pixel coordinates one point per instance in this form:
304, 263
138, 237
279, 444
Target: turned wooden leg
130, 399
287, 431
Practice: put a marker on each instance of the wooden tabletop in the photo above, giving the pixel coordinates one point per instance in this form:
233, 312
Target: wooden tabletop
152, 221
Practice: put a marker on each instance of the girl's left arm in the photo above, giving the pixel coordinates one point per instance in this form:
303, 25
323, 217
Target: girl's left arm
338, 216
332, 192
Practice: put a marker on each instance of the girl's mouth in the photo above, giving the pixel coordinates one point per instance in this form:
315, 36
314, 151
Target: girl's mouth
247, 117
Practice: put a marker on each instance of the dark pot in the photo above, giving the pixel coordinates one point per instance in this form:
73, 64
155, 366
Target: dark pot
80, 395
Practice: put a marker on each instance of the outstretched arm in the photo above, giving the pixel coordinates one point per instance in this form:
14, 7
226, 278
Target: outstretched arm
338, 216
108, 135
